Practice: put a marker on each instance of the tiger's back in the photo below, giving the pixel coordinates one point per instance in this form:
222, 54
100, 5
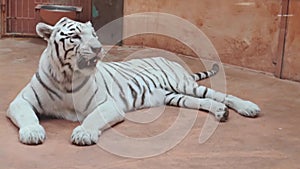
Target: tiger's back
141, 83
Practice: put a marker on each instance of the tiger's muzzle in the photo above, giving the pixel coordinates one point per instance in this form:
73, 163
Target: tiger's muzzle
88, 62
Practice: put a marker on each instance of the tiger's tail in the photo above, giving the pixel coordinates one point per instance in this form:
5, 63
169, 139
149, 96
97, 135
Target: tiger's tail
204, 75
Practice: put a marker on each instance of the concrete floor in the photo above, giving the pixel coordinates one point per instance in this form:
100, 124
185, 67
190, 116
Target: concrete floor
269, 141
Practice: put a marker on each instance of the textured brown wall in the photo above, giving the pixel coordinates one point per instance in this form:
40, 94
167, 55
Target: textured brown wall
1, 15
244, 34
291, 59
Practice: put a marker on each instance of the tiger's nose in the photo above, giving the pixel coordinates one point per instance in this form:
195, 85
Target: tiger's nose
97, 49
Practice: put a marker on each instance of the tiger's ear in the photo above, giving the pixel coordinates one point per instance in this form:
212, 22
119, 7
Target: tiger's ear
44, 30
63, 20
89, 23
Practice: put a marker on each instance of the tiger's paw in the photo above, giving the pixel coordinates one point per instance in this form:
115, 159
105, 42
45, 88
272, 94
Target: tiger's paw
32, 134
243, 107
84, 137
220, 111
248, 109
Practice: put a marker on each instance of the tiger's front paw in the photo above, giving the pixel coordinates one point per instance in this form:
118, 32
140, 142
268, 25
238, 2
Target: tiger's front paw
83, 136
32, 134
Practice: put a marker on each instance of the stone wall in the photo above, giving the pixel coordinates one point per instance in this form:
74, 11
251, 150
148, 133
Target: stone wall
244, 33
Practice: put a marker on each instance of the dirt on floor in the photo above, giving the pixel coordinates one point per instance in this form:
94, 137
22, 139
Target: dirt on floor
270, 141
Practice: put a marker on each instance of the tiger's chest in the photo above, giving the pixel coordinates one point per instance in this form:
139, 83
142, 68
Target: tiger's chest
61, 108
72, 106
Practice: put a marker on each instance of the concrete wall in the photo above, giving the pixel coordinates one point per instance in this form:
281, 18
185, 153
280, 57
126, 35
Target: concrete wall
291, 58
104, 12
1, 18
244, 34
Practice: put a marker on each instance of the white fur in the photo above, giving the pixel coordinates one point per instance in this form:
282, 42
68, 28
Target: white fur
32, 134
85, 136
246, 108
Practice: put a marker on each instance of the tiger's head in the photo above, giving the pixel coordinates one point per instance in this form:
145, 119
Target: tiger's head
72, 45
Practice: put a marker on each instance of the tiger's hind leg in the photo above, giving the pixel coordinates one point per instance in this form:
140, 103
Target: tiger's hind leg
220, 110
243, 107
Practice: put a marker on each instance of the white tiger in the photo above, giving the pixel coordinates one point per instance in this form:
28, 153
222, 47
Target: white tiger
70, 74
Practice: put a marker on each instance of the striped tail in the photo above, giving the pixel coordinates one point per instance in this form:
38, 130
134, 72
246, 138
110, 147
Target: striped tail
203, 75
